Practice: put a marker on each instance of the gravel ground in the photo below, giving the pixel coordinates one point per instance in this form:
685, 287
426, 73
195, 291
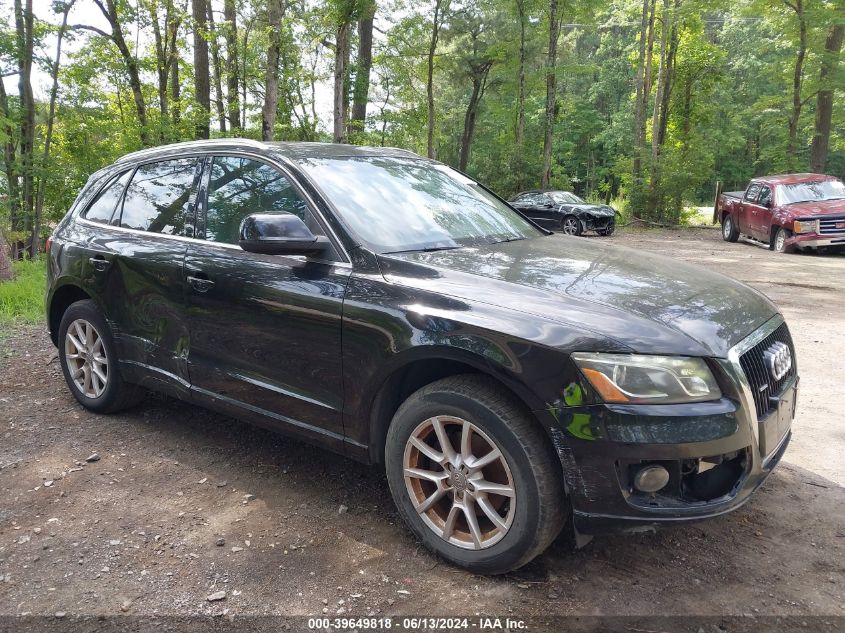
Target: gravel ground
170, 510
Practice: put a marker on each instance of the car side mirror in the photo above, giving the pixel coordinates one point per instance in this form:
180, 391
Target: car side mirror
279, 234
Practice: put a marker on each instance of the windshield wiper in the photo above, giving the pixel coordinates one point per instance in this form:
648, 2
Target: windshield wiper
427, 249
507, 239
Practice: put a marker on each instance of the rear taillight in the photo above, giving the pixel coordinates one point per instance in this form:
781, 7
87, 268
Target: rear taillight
48, 244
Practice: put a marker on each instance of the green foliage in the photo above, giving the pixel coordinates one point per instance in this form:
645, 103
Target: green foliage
22, 299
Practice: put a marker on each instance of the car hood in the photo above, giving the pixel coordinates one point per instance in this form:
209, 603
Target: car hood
816, 207
645, 302
593, 209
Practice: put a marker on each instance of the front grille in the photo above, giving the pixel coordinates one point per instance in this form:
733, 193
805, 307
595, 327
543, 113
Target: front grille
763, 384
828, 226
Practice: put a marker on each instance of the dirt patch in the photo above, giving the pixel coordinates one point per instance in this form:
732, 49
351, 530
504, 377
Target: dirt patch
183, 503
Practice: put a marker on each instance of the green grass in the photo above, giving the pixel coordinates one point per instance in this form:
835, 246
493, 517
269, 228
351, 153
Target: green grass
22, 299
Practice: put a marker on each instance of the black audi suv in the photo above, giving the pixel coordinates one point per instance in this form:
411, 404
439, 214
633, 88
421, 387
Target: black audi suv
509, 380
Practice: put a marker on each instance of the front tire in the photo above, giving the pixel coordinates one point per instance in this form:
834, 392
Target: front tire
730, 231
571, 225
608, 230
89, 361
778, 242
473, 476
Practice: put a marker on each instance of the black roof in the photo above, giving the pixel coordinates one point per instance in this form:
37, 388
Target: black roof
291, 150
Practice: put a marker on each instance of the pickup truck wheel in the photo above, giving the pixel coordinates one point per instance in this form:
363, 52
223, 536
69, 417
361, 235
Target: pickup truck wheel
89, 361
730, 231
571, 225
778, 242
473, 476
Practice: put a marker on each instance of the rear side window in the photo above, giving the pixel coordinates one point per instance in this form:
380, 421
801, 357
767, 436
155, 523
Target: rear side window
240, 186
159, 197
751, 192
102, 208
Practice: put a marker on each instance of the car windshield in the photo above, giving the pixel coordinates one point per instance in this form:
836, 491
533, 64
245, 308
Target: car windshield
406, 204
564, 197
810, 191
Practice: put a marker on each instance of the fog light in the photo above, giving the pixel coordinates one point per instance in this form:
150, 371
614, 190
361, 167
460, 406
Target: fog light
651, 478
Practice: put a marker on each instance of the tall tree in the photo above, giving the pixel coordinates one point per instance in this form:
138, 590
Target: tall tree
113, 16
24, 20
275, 13
520, 88
551, 92
232, 70
345, 10
797, 82
824, 98
41, 182
643, 86
216, 70
202, 81
440, 7
363, 65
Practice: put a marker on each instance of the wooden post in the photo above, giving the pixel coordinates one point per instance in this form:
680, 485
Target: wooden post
5, 265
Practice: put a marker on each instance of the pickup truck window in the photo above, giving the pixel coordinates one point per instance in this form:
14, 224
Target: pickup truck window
808, 191
752, 191
765, 196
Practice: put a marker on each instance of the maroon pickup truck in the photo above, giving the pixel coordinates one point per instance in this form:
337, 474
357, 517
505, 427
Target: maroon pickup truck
786, 212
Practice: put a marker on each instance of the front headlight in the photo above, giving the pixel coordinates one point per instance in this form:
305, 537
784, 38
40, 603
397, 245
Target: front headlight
640, 379
806, 226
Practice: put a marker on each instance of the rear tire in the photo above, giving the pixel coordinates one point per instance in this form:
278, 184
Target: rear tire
730, 231
89, 361
571, 225
778, 241
430, 483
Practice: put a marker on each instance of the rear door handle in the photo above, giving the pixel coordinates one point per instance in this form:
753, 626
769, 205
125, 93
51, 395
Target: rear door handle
200, 284
99, 263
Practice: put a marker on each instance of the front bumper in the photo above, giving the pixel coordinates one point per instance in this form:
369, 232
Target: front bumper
814, 240
601, 446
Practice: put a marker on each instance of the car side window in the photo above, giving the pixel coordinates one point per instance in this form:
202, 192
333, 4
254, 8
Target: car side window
239, 186
158, 199
102, 208
751, 192
765, 196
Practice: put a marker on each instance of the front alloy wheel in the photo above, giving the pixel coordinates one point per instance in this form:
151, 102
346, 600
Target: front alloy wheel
460, 482
571, 225
474, 475
86, 358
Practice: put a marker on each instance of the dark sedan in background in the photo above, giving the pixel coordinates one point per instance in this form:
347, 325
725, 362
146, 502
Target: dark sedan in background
564, 211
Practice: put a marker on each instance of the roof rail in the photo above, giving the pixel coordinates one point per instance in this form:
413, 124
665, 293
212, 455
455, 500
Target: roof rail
189, 144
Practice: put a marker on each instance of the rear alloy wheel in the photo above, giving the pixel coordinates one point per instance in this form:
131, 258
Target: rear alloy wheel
778, 243
89, 361
571, 225
730, 231
474, 476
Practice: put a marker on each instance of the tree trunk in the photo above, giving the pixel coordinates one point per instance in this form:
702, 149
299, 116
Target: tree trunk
173, 64
520, 98
6, 272
202, 88
665, 27
643, 79
439, 8
232, 68
341, 60
25, 44
215, 63
361, 91
797, 80
824, 99
10, 163
670, 76
480, 71
275, 12
51, 116
109, 11
551, 96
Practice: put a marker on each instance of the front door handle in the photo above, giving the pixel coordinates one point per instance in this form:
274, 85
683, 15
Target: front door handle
99, 263
200, 284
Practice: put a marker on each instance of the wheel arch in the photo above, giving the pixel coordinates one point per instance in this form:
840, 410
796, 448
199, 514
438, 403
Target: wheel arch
418, 371
62, 298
